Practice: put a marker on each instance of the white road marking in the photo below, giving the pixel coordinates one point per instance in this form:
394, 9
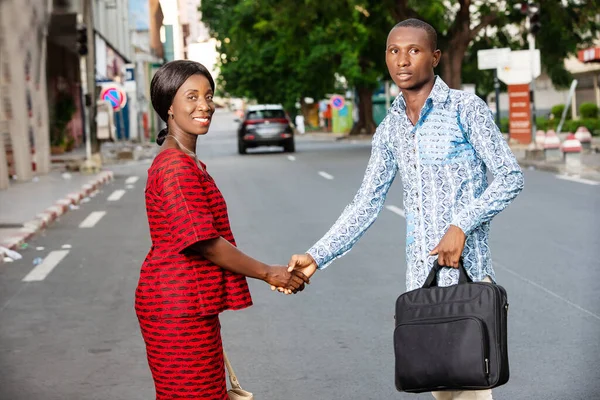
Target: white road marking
41, 271
325, 175
131, 180
92, 219
577, 179
129, 187
550, 292
291, 158
116, 195
66, 246
396, 210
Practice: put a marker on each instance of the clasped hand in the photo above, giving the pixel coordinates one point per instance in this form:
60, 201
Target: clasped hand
301, 264
289, 281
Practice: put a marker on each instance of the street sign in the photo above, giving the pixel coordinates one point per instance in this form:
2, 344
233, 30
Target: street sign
337, 101
493, 58
114, 95
520, 68
519, 125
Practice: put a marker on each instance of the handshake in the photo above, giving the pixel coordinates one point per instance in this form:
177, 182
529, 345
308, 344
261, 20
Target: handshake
292, 279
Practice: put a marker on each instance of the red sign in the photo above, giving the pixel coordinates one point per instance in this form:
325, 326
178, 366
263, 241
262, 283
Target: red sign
337, 101
519, 113
115, 96
589, 55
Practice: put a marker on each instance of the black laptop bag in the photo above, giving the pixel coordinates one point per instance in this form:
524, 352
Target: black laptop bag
451, 338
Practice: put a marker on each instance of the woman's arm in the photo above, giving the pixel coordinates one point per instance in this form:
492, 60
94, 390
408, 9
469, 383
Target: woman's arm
222, 253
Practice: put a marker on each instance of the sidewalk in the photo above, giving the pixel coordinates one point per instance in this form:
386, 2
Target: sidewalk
29, 207
590, 161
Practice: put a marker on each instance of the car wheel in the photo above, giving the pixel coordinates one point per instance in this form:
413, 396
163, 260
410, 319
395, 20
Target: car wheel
241, 147
289, 147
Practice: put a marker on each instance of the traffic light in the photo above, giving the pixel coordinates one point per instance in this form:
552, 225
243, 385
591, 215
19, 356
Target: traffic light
82, 40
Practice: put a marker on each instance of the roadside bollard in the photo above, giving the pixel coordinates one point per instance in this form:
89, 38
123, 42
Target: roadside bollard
585, 137
540, 139
552, 147
571, 148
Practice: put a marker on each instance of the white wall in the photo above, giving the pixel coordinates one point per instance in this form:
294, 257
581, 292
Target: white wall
170, 10
205, 53
113, 23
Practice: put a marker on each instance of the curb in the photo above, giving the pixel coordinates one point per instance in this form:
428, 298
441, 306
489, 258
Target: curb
50, 214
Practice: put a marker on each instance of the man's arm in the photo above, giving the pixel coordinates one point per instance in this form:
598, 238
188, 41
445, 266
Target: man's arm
490, 146
360, 214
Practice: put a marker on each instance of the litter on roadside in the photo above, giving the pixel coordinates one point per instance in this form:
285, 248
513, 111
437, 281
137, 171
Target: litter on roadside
10, 253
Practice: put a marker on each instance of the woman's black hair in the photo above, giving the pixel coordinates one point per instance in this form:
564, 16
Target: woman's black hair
167, 81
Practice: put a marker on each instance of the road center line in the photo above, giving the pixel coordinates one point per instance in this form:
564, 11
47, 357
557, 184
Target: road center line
577, 179
116, 195
396, 210
325, 175
92, 219
550, 292
41, 271
291, 158
131, 180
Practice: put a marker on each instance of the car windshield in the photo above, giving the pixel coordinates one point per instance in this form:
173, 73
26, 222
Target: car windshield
265, 114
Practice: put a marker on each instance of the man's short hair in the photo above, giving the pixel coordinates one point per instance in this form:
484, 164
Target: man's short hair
417, 23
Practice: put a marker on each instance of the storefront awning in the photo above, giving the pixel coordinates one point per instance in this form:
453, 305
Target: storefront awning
589, 55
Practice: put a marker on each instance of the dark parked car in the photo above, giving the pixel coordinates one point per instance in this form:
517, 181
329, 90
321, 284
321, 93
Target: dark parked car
266, 125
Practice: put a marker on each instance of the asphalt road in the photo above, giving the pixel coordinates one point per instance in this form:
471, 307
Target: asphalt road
70, 333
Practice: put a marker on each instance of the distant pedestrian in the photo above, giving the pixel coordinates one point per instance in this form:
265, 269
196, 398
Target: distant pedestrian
299, 120
442, 142
193, 271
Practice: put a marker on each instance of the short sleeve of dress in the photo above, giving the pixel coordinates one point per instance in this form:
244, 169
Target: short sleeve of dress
186, 205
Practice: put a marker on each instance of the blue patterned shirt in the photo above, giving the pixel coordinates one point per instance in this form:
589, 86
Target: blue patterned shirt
442, 161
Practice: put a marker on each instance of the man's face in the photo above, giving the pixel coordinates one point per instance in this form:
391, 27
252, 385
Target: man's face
409, 57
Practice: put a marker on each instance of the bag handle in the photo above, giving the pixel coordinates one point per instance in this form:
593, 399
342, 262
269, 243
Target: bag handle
431, 280
235, 384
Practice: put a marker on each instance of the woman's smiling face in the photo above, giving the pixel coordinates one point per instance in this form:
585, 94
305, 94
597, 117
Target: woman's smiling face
193, 105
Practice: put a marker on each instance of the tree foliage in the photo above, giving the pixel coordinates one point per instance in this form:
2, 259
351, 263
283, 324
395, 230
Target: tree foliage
284, 50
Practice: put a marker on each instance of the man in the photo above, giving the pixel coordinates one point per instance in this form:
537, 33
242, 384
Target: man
441, 141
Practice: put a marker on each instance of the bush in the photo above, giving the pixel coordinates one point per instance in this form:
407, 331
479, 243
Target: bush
588, 111
504, 125
542, 123
557, 112
593, 124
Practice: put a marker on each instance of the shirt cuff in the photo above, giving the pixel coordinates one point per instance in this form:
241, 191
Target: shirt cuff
320, 258
464, 224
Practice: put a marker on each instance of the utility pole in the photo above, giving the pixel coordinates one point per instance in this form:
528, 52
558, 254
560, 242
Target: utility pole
86, 50
533, 25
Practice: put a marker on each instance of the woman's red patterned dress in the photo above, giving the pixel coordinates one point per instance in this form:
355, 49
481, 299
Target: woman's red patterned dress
180, 294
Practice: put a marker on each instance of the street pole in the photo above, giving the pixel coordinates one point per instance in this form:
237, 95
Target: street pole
497, 89
387, 95
531, 39
84, 95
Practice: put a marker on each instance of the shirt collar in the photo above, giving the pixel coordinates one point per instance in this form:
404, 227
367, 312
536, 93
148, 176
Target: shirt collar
438, 96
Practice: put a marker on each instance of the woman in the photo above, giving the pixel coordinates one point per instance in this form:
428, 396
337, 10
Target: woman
193, 270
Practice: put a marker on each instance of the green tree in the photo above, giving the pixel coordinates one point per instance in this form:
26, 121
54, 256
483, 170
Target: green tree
271, 50
286, 50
